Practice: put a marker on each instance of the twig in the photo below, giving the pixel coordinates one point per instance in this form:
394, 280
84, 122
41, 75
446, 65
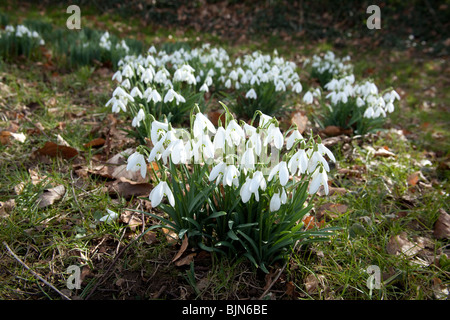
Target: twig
273, 282
34, 273
104, 276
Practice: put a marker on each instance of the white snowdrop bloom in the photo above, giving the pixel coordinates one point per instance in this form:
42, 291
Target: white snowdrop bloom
359, 102
170, 95
390, 107
233, 75
231, 176
294, 137
126, 84
315, 160
127, 71
136, 162
251, 94
219, 139
298, 162
147, 75
217, 172
135, 92
369, 112
154, 96
203, 149
117, 76
204, 88
228, 84
158, 131
138, 118
324, 150
201, 123
318, 178
152, 49
274, 135
158, 193
282, 171
280, 86
297, 88
248, 159
264, 120
234, 134
308, 98
110, 217
157, 150
277, 200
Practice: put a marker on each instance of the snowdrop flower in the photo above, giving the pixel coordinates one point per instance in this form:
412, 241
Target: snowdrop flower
324, 150
369, 112
219, 139
152, 49
294, 137
201, 123
248, 159
297, 88
280, 86
228, 84
264, 120
203, 147
136, 162
157, 151
298, 162
315, 160
274, 134
117, 76
231, 176
277, 200
251, 94
110, 217
138, 118
282, 171
359, 102
390, 107
127, 71
217, 172
319, 177
135, 92
154, 96
158, 131
147, 75
204, 88
308, 98
157, 194
234, 134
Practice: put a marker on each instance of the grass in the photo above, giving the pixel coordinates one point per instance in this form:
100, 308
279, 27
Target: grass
380, 201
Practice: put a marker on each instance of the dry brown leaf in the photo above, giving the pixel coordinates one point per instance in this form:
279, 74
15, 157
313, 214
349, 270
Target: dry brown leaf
51, 149
183, 248
382, 152
300, 120
413, 178
133, 219
185, 260
4, 137
6, 207
50, 196
149, 237
95, 143
331, 210
171, 236
400, 244
313, 282
214, 117
442, 225
127, 189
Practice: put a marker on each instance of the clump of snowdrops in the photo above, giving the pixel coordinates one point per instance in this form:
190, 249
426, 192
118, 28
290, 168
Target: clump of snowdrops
356, 105
19, 40
327, 66
235, 189
261, 82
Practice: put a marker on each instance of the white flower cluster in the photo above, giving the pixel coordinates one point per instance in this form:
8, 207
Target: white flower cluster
330, 64
256, 69
366, 94
21, 31
237, 156
106, 43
